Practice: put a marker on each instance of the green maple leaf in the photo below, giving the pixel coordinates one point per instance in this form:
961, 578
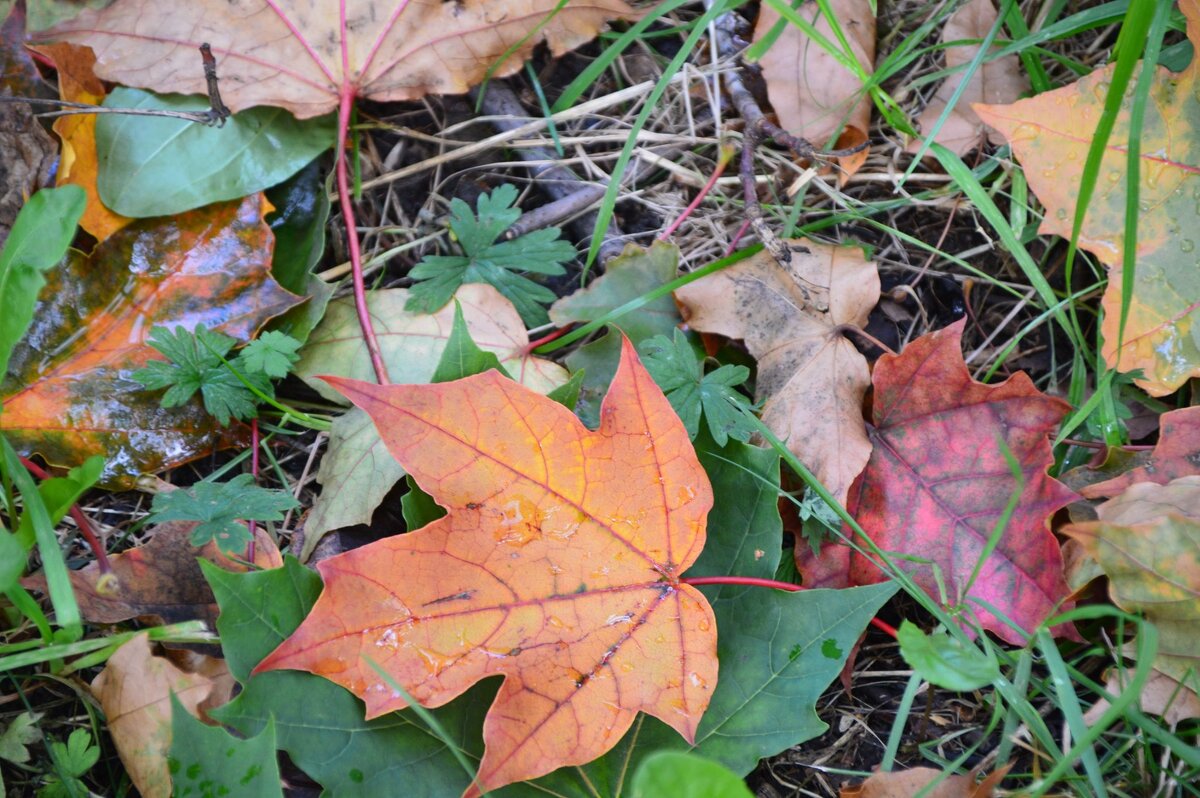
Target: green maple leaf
437, 277
221, 508
674, 366
196, 363
273, 353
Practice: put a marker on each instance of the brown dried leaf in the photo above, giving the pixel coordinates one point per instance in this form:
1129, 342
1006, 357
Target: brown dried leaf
811, 92
134, 689
907, 783
811, 377
28, 153
306, 56
160, 581
999, 81
1162, 695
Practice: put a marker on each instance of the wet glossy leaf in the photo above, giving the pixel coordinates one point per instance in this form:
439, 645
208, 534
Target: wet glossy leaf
811, 379
357, 472
70, 393
557, 566
1045, 134
298, 222
938, 482
677, 773
1177, 454
209, 761
78, 165
158, 166
37, 242
306, 62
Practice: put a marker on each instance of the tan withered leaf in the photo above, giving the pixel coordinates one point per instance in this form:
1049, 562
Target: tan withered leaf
79, 165
810, 375
135, 688
907, 783
813, 94
161, 580
306, 56
1162, 695
998, 81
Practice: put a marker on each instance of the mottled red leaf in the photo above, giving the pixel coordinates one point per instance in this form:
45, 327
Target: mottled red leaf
937, 481
69, 394
558, 565
1177, 454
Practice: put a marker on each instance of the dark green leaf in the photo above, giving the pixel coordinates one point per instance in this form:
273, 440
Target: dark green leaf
208, 762
418, 507
38, 240
221, 507
298, 223
272, 354
461, 357
436, 278
567, 394
156, 166
675, 367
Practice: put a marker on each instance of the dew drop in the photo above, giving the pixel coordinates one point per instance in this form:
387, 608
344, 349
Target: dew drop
1061, 213
1187, 245
1114, 176
697, 680
704, 625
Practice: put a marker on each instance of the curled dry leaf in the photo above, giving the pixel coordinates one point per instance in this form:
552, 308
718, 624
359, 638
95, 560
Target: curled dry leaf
28, 152
356, 471
1177, 454
811, 377
77, 82
938, 483
1050, 134
998, 81
557, 565
811, 92
135, 689
159, 581
307, 57
69, 393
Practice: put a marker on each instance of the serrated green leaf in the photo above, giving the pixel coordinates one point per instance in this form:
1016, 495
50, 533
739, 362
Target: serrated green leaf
37, 241
272, 353
437, 277
156, 166
945, 661
674, 366
21, 732
207, 761
221, 507
77, 755
196, 365
679, 773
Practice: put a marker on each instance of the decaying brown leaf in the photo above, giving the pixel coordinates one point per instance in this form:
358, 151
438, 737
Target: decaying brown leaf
306, 57
813, 94
160, 581
135, 688
1162, 695
27, 153
907, 783
998, 82
810, 375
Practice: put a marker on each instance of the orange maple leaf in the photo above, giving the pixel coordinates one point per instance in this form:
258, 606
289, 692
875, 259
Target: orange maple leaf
558, 566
